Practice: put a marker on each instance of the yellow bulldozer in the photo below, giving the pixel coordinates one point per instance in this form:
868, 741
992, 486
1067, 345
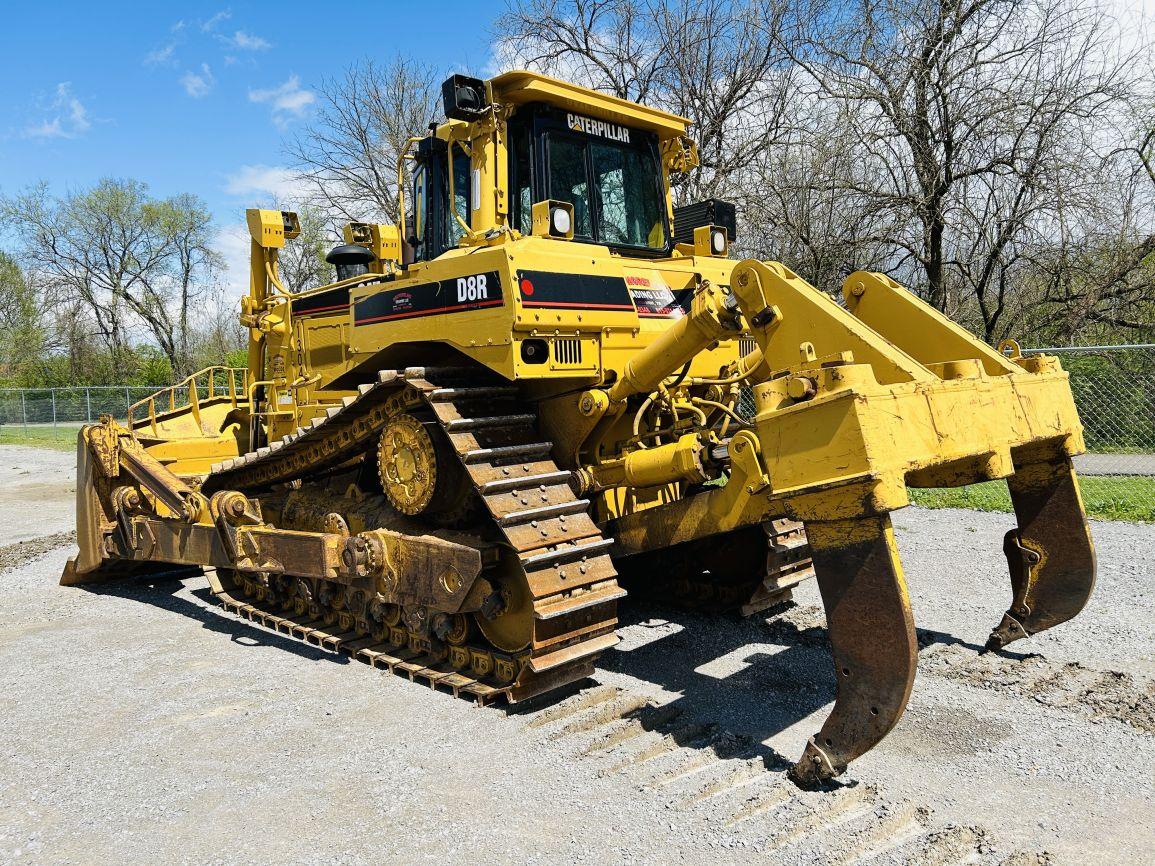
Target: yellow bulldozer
545, 386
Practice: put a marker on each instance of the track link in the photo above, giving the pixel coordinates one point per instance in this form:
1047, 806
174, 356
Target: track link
401, 660
528, 500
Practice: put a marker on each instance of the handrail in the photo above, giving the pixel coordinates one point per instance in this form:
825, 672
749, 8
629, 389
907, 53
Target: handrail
212, 385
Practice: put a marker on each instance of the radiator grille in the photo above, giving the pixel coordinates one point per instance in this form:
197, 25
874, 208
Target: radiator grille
567, 351
746, 345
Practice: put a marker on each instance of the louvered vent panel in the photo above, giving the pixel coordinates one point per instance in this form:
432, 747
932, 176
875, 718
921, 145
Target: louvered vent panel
567, 351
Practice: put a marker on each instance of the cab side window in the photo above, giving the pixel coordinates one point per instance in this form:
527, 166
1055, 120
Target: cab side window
521, 177
420, 207
461, 199
435, 229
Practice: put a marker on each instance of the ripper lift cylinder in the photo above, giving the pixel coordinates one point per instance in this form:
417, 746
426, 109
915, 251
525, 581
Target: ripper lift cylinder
711, 314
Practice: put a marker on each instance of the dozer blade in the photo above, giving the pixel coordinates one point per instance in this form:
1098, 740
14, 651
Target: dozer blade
1050, 555
872, 636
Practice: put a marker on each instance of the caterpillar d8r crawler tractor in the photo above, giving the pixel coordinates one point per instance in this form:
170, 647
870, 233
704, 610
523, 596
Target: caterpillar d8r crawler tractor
540, 382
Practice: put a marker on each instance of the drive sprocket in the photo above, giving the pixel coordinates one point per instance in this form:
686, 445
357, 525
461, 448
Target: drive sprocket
418, 471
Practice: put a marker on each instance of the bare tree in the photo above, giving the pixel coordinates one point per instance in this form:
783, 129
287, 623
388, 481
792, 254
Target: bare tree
976, 124
1098, 280
712, 61
800, 207
348, 155
302, 264
183, 284
608, 45
958, 144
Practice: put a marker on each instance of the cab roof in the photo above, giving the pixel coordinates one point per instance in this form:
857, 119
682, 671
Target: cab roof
520, 87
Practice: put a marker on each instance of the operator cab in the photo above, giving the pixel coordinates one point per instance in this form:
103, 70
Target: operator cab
609, 173
605, 158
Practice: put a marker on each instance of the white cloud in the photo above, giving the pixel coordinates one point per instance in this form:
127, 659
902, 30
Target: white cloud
287, 100
265, 183
232, 242
69, 117
246, 41
198, 84
160, 55
210, 25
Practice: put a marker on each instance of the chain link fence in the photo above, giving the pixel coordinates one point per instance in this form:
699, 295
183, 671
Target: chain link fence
1114, 388
54, 414
30, 407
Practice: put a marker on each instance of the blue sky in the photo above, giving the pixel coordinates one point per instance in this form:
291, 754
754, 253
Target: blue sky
194, 97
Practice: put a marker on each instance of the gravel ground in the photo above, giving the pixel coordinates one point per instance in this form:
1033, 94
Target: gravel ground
142, 724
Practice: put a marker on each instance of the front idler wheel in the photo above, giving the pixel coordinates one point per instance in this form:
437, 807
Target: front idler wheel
506, 620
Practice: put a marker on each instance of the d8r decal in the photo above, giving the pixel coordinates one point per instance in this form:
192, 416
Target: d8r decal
454, 295
472, 288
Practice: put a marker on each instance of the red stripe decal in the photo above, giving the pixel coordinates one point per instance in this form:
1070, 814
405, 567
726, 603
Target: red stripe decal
541, 304
412, 313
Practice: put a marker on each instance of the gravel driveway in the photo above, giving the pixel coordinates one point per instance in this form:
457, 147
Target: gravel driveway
141, 724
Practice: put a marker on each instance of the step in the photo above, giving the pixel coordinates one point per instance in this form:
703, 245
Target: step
445, 395
578, 602
572, 653
501, 485
567, 553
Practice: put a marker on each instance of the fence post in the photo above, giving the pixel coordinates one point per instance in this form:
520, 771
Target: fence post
24, 411
127, 401
88, 403
52, 391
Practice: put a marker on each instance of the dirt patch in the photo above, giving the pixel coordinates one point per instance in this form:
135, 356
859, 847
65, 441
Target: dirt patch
1096, 694
22, 552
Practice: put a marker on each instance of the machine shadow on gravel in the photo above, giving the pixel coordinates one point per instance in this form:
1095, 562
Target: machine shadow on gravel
769, 693
160, 591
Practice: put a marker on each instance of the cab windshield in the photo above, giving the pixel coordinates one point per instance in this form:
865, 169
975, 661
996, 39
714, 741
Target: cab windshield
615, 190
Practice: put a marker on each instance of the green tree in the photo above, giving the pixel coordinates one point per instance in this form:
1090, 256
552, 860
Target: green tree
23, 330
135, 265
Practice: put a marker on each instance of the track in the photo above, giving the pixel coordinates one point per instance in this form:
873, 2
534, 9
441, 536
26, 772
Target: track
745, 571
397, 657
530, 504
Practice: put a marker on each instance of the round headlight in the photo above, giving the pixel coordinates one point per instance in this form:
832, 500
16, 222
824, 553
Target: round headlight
718, 241
561, 221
